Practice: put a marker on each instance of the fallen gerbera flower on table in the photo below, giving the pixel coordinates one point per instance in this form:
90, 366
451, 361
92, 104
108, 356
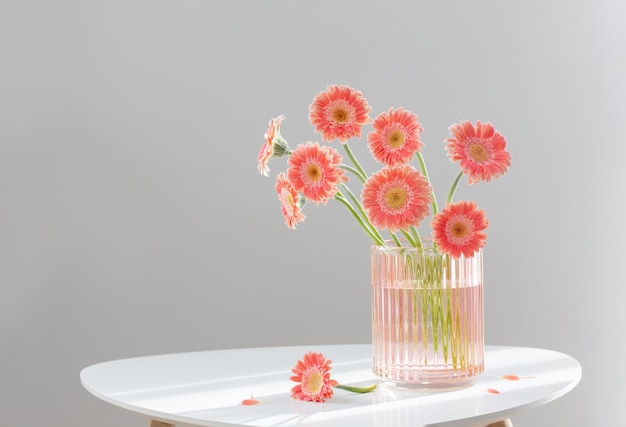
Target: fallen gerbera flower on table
315, 385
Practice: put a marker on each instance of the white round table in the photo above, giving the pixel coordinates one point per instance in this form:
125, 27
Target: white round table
207, 388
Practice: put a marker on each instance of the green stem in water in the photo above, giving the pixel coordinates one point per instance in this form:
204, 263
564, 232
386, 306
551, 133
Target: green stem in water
353, 389
453, 187
422, 163
355, 214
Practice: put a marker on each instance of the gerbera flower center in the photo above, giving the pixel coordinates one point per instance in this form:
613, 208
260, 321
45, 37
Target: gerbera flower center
313, 172
458, 230
314, 383
395, 138
478, 153
340, 115
287, 198
396, 198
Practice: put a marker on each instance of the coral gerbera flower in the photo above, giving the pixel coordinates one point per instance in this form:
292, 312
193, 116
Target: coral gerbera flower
290, 200
275, 146
314, 171
481, 150
313, 375
396, 197
339, 113
458, 229
395, 137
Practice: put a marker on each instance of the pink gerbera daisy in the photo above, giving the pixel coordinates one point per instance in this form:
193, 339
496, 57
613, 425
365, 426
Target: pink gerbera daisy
275, 146
314, 171
395, 137
458, 229
481, 150
396, 197
339, 113
313, 375
291, 202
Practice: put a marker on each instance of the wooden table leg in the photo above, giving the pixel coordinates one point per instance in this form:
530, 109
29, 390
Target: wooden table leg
505, 423
155, 423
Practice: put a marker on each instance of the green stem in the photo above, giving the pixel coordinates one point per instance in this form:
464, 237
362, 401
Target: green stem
355, 171
356, 216
354, 389
453, 187
409, 238
422, 163
416, 236
395, 239
362, 212
353, 159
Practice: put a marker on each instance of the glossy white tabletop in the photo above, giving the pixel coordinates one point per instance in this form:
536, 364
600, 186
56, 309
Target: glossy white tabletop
206, 388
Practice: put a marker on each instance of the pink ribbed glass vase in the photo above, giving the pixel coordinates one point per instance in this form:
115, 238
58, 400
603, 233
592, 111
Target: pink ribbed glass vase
427, 317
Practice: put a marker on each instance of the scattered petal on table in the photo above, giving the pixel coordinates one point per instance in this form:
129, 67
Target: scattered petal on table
250, 402
510, 377
492, 391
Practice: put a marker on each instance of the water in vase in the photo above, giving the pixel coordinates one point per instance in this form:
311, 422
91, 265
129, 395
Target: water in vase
428, 337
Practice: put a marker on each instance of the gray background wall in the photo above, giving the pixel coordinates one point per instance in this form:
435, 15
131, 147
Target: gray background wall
133, 220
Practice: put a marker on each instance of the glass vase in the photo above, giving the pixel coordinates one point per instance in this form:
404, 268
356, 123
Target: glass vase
427, 317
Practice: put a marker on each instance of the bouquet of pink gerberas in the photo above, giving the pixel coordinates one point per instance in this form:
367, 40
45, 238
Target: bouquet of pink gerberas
396, 198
